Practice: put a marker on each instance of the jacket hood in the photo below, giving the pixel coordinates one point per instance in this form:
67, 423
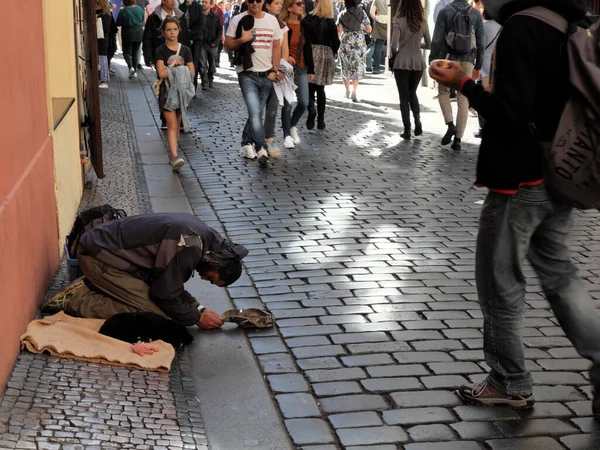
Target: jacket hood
501, 10
160, 12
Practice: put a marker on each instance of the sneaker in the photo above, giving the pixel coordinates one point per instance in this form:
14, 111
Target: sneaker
248, 151
131, 73
140, 67
135, 75
272, 149
378, 71
288, 142
369, 69
163, 125
483, 394
263, 157
205, 86
103, 86
295, 136
176, 163
211, 84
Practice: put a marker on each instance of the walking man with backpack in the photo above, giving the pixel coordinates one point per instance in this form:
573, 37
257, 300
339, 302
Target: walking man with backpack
458, 36
521, 219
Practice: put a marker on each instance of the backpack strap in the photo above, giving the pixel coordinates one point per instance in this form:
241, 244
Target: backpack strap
547, 16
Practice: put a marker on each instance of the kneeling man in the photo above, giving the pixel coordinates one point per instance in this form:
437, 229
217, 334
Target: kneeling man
140, 263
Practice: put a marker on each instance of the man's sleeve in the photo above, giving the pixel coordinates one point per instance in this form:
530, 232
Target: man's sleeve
481, 43
232, 26
183, 309
439, 48
147, 43
218, 31
514, 80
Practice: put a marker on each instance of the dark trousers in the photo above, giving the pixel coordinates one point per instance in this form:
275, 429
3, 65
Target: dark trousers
407, 82
131, 53
208, 57
321, 100
197, 47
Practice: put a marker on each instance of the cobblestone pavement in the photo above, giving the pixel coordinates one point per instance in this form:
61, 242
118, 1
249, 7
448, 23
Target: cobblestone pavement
57, 404
363, 247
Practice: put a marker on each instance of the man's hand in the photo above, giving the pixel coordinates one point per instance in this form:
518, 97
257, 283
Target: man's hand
450, 74
311, 76
246, 35
272, 76
210, 319
476, 74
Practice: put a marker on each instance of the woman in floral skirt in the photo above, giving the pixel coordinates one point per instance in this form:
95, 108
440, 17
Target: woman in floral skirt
352, 25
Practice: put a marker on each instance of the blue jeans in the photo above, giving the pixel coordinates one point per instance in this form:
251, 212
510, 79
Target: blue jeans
255, 90
369, 57
529, 225
377, 53
289, 120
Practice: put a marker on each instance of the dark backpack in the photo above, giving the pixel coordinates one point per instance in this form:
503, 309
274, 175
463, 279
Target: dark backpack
573, 158
461, 39
87, 220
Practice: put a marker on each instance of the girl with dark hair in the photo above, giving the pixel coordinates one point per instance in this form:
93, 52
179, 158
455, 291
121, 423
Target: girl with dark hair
300, 56
131, 20
352, 25
409, 29
322, 31
168, 54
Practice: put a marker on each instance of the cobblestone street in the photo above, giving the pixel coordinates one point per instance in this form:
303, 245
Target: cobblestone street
362, 245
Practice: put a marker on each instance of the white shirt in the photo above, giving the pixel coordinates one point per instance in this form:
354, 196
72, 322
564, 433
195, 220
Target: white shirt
265, 30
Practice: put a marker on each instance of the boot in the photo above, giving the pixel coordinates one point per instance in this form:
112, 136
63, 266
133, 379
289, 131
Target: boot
406, 134
310, 120
450, 133
321, 116
418, 126
456, 144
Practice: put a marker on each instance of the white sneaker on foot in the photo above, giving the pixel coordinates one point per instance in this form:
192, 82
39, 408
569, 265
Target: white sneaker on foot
248, 151
103, 86
288, 142
131, 73
263, 157
295, 136
176, 163
273, 149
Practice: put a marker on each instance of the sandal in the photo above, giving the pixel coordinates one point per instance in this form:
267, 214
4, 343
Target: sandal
59, 300
249, 318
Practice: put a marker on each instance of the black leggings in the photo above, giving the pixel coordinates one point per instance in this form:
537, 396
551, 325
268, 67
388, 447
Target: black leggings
407, 82
321, 99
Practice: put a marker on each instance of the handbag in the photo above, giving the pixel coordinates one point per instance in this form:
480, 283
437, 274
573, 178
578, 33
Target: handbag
99, 28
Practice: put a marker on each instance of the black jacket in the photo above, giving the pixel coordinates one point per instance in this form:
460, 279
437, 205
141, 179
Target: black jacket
153, 37
530, 87
322, 32
195, 17
306, 46
107, 46
213, 29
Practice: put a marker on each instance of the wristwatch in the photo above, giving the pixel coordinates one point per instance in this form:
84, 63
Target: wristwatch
201, 308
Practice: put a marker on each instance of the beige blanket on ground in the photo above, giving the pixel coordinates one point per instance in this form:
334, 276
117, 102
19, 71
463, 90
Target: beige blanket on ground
74, 338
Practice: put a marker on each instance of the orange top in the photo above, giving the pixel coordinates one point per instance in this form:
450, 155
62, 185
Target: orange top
295, 40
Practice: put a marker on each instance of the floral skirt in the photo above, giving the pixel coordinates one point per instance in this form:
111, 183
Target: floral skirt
352, 54
324, 65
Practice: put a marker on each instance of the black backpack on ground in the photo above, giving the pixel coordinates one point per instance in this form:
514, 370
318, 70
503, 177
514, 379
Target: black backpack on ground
87, 220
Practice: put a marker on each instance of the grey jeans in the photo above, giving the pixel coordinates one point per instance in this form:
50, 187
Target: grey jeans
529, 225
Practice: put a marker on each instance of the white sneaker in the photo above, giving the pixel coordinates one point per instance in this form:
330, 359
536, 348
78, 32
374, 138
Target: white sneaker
288, 142
131, 73
103, 86
263, 157
272, 149
135, 74
295, 136
248, 151
176, 163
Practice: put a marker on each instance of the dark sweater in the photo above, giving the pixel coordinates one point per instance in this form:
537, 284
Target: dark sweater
322, 32
530, 86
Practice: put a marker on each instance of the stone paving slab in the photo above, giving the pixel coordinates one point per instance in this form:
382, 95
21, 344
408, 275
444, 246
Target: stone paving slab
363, 245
